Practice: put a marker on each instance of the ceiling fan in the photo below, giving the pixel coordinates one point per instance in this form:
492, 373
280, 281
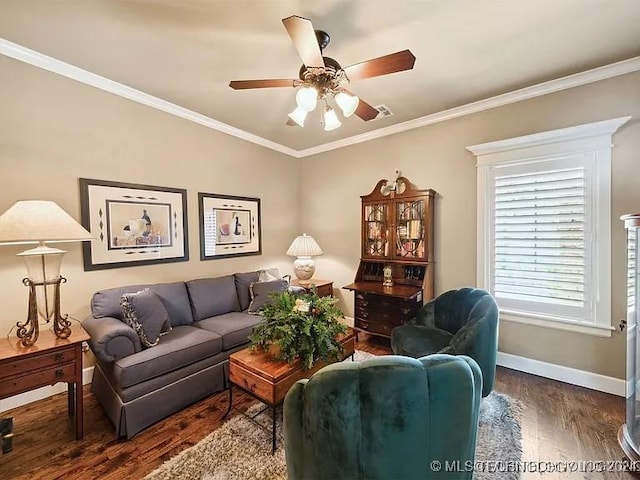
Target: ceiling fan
321, 78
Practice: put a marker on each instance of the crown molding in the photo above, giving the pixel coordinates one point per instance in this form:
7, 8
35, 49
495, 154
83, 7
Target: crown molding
594, 75
37, 59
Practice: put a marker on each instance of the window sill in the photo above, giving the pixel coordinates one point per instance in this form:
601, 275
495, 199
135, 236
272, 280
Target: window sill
556, 323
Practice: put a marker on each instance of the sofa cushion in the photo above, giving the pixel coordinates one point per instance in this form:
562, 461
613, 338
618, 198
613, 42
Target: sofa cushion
174, 297
234, 327
243, 280
145, 313
261, 291
182, 346
213, 296
268, 275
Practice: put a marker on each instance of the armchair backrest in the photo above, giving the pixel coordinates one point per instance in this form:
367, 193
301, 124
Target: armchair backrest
388, 417
471, 315
452, 309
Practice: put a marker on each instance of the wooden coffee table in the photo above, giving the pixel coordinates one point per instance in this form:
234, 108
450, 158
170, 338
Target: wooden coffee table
269, 380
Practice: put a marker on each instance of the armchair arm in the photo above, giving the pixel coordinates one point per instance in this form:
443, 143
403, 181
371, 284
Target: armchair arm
478, 339
111, 339
294, 429
426, 315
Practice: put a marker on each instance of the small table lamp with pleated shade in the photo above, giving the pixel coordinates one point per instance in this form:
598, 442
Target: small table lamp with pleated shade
304, 248
41, 222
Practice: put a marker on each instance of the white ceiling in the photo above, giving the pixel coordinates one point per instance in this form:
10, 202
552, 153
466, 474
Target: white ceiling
186, 52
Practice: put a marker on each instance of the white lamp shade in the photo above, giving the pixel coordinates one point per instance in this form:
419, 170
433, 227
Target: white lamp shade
307, 98
38, 221
347, 103
331, 121
304, 246
298, 116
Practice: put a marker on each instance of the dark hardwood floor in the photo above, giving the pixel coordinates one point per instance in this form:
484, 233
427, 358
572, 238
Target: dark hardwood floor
560, 422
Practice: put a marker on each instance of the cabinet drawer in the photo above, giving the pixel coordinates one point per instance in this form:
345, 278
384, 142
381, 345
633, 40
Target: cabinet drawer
35, 379
377, 301
373, 327
325, 290
397, 315
36, 362
251, 382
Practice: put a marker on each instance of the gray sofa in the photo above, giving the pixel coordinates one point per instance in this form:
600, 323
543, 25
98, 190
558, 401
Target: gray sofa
139, 386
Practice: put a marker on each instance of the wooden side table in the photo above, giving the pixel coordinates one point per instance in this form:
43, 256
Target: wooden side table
269, 380
50, 360
323, 287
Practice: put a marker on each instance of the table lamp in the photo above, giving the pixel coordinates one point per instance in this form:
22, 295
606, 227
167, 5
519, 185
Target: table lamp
41, 222
304, 248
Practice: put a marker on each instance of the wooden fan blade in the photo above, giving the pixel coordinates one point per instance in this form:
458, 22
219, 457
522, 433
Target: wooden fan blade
291, 123
267, 83
304, 39
365, 111
394, 62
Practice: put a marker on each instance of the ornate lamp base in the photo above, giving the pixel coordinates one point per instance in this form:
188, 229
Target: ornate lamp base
304, 268
29, 330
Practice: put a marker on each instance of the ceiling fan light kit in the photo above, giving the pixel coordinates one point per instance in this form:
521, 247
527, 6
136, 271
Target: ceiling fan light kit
307, 98
347, 103
322, 78
331, 121
298, 116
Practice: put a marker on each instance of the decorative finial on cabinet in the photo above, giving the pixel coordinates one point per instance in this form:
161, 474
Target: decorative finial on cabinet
395, 186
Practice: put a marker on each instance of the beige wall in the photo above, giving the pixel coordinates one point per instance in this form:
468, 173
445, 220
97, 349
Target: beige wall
54, 130
435, 157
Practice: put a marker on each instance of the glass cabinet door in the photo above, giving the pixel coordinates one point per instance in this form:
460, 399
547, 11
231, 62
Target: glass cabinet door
375, 236
410, 230
629, 435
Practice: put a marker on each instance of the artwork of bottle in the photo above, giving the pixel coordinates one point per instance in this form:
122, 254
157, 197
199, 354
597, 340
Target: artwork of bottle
145, 217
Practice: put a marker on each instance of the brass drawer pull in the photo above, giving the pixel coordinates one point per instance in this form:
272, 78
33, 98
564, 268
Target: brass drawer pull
251, 387
59, 373
58, 357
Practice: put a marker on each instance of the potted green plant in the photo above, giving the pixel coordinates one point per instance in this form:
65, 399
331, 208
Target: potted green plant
300, 326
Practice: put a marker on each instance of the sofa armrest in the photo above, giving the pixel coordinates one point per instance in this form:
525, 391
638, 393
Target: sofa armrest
297, 290
111, 339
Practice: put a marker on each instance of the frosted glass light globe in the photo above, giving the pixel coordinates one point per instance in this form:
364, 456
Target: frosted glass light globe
307, 98
348, 103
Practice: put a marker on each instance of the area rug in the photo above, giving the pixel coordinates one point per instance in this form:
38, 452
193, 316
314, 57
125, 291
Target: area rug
239, 450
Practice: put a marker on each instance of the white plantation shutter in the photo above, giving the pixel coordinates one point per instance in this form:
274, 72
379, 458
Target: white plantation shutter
544, 226
540, 254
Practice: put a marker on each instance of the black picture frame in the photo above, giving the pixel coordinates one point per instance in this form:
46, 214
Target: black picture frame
133, 224
229, 226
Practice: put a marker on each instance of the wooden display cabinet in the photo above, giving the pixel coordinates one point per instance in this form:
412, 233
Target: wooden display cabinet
397, 235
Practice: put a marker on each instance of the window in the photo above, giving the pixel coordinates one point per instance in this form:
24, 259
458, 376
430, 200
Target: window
544, 226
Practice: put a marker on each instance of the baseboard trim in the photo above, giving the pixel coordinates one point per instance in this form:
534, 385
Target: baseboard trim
581, 378
40, 393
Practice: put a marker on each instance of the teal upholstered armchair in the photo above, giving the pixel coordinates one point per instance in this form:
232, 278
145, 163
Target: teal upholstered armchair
385, 418
458, 322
